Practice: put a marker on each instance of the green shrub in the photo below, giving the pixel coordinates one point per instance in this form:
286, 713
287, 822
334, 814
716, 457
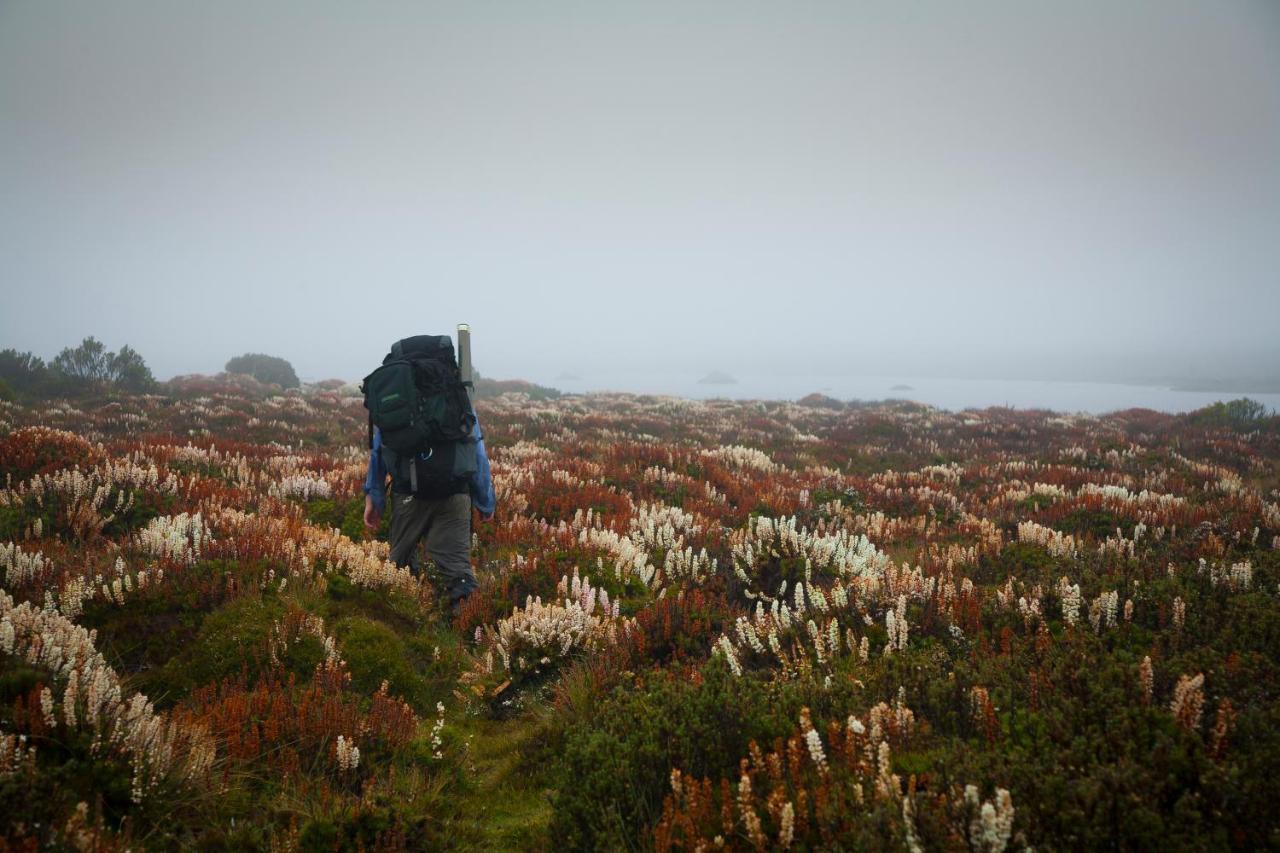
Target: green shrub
616, 765
347, 516
375, 653
231, 640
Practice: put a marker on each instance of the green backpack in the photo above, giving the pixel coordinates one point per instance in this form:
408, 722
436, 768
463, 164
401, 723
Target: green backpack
420, 405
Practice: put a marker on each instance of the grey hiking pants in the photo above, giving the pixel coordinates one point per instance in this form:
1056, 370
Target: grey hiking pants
446, 524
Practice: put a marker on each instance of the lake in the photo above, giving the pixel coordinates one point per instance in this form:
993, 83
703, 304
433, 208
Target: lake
954, 394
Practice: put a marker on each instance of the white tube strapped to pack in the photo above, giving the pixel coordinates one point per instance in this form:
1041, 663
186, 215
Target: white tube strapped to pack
464, 358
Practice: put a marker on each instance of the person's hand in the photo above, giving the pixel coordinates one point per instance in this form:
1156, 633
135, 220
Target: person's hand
484, 517
372, 515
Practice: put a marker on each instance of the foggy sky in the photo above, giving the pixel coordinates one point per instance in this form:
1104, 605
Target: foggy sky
979, 188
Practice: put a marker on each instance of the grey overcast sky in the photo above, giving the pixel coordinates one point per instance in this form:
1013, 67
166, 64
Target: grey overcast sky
980, 188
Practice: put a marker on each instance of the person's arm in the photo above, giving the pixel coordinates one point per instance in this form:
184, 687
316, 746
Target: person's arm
375, 484
482, 494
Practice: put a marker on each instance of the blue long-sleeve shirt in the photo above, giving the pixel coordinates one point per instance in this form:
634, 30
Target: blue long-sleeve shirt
482, 494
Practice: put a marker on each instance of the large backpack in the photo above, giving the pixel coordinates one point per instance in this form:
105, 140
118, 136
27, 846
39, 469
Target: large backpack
420, 405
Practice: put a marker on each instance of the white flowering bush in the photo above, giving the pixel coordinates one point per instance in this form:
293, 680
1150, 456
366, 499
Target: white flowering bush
85, 697
537, 635
738, 456
181, 538
304, 487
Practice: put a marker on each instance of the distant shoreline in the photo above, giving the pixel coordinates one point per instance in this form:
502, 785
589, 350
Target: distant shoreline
1057, 395
1228, 388
1211, 386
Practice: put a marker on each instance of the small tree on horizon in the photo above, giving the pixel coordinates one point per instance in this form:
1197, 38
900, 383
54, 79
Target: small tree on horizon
129, 371
265, 368
92, 363
87, 363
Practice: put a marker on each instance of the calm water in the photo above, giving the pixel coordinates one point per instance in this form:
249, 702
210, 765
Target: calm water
954, 394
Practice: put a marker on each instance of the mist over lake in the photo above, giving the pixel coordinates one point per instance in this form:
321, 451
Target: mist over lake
952, 394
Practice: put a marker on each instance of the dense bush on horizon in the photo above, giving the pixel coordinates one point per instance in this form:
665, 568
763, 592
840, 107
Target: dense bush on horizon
1243, 413
23, 372
265, 368
700, 625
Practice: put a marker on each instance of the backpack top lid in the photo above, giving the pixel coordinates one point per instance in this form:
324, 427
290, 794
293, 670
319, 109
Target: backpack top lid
423, 346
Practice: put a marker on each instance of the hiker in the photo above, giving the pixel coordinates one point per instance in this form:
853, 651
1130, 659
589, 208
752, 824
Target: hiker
436, 459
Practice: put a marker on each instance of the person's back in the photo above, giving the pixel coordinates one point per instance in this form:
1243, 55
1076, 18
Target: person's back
437, 476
